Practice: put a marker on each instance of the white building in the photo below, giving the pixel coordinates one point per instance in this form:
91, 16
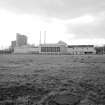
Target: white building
58, 48
81, 49
26, 49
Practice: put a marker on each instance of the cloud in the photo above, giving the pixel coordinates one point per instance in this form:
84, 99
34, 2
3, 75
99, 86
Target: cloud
78, 19
91, 27
55, 8
30, 25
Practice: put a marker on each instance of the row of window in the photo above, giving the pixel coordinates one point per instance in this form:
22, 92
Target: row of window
50, 49
80, 48
82, 52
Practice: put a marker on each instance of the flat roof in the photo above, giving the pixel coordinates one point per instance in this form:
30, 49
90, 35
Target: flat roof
50, 45
72, 46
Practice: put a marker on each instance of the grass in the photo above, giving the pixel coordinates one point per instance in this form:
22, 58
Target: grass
32, 78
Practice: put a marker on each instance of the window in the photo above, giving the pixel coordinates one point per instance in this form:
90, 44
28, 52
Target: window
58, 49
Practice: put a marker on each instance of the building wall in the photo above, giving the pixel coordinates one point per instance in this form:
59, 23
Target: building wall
21, 40
13, 44
52, 49
26, 50
63, 49
81, 50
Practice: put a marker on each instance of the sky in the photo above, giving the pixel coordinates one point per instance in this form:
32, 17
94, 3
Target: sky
72, 21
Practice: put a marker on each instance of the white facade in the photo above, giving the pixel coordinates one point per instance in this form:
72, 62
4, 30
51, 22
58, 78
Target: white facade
26, 49
81, 49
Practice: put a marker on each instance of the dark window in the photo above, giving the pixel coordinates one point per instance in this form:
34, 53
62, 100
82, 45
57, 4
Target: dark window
58, 49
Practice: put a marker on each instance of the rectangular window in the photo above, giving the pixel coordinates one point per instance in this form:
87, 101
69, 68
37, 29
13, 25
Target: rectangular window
54, 49
51, 49
58, 49
47, 49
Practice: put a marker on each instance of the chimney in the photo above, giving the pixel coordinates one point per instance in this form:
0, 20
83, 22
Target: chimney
40, 38
44, 37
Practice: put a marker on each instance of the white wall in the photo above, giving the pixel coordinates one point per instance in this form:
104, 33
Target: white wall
26, 50
80, 50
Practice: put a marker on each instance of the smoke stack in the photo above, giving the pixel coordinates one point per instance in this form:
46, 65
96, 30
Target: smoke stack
44, 37
40, 38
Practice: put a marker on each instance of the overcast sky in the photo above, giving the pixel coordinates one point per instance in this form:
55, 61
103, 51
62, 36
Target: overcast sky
73, 21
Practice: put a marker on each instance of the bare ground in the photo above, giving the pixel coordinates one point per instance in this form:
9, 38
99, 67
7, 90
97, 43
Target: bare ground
52, 80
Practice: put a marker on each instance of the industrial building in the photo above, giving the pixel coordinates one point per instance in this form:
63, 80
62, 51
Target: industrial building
81, 49
58, 48
62, 48
21, 40
26, 50
21, 46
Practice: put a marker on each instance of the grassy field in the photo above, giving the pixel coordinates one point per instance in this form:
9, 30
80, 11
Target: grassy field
47, 80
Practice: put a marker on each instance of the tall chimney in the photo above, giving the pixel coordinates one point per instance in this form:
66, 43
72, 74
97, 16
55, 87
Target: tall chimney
44, 37
40, 38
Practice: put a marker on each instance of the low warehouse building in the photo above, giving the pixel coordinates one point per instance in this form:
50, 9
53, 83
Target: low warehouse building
81, 49
26, 49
